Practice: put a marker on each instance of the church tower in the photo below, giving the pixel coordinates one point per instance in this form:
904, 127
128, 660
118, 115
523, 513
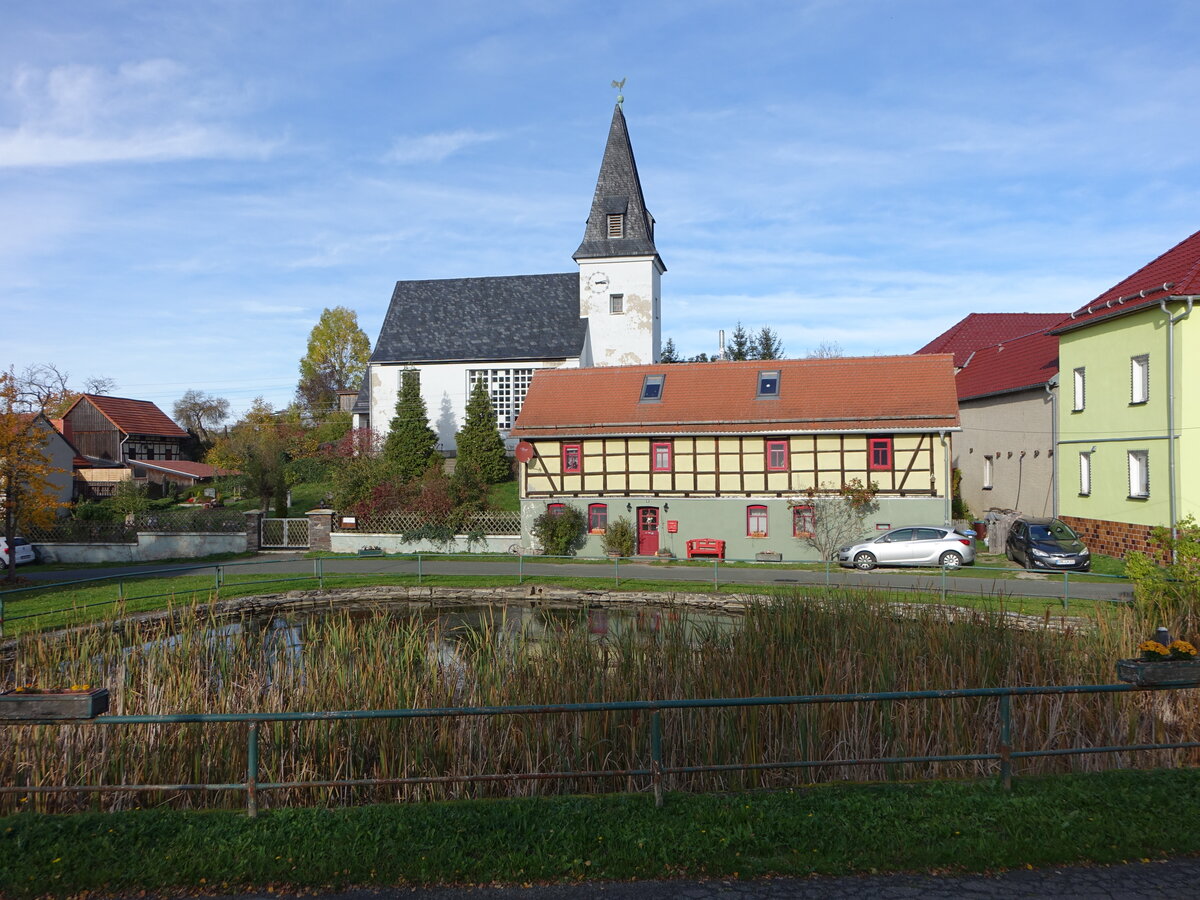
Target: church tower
619, 268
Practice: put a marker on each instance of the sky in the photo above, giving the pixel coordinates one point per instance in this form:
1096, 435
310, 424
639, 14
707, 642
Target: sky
185, 186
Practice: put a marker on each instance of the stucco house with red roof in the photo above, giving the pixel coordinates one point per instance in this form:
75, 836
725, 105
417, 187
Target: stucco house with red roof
726, 450
1128, 409
117, 439
1006, 373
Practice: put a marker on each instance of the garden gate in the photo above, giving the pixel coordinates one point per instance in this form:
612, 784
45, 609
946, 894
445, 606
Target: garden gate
277, 534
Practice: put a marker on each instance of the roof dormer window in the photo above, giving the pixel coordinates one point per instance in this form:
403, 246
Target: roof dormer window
652, 388
768, 383
616, 225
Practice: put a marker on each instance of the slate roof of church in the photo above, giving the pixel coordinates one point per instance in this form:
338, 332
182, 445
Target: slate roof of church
1175, 273
618, 190
509, 317
875, 394
988, 329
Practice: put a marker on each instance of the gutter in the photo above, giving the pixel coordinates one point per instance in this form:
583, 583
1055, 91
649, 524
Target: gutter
1051, 386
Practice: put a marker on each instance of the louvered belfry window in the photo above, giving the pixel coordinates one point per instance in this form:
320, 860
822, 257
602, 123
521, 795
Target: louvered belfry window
616, 225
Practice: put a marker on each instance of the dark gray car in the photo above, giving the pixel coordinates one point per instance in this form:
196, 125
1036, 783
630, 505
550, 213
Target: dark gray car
1046, 544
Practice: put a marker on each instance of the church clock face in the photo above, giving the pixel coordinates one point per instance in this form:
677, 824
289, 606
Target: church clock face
598, 282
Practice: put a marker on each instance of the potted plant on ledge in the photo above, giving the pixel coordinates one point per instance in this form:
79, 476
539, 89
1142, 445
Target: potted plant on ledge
28, 703
1161, 664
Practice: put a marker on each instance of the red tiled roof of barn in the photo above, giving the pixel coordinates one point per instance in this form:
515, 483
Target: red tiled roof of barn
1019, 364
873, 394
1174, 273
133, 416
988, 329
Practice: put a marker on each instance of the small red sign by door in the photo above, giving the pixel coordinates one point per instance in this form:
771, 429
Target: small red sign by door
672, 526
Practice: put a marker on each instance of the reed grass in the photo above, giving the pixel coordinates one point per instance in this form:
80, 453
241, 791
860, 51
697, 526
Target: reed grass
521, 656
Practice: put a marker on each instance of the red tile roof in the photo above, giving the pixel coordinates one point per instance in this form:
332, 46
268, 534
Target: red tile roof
875, 394
1173, 274
988, 329
1019, 364
133, 416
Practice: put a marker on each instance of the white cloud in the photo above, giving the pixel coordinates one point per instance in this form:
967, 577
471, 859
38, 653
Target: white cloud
147, 111
434, 147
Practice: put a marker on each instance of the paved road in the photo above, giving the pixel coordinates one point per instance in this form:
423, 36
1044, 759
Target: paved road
1137, 881
932, 580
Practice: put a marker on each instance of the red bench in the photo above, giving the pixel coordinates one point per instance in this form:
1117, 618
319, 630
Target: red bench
706, 547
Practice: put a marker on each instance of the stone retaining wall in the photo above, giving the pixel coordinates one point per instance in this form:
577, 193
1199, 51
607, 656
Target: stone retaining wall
150, 546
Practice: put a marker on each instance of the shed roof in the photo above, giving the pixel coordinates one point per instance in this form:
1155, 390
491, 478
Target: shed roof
132, 416
988, 329
866, 394
1020, 364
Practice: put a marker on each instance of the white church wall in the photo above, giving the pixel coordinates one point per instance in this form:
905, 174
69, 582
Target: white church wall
445, 388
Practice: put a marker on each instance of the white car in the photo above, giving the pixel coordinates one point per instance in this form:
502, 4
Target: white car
926, 545
24, 550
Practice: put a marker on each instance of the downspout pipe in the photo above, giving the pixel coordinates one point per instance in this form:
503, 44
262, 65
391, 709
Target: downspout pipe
949, 491
1050, 386
1172, 487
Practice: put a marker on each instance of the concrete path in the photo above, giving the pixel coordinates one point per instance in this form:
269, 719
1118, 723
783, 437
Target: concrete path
926, 580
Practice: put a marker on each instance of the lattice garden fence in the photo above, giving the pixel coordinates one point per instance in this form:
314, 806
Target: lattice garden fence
492, 522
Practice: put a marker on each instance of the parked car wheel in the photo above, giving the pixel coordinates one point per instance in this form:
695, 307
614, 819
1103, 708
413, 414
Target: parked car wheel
864, 561
950, 559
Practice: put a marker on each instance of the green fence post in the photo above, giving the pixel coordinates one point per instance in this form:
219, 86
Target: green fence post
827, 575
217, 581
1066, 589
120, 589
520, 568
716, 584
617, 571
321, 572
252, 771
1006, 741
943, 584
418, 568
656, 755
1, 617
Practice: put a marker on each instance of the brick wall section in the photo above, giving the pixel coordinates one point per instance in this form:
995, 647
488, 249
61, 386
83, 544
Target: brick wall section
1113, 538
320, 526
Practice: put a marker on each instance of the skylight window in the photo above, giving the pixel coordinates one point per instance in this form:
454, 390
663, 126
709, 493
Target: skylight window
768, 383
652, 388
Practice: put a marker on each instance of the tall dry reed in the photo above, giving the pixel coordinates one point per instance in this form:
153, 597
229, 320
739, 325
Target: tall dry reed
388, 660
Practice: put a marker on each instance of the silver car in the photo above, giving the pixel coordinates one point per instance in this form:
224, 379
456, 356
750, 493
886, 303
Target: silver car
924, 545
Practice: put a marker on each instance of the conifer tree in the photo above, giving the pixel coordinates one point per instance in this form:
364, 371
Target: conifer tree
669, 354
480, 447
740, 344
767, 345
410, 446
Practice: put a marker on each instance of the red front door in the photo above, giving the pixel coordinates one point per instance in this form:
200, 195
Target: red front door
647, 518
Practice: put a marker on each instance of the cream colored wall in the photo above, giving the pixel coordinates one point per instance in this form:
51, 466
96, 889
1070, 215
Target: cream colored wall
1016, 431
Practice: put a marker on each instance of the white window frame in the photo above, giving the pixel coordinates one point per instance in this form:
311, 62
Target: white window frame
616, 304
989, 467
1085, 473
507, 388
1139, 474
1080, 399
1139, 378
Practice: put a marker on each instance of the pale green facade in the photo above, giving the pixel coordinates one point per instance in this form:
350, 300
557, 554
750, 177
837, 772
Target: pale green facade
1113, 419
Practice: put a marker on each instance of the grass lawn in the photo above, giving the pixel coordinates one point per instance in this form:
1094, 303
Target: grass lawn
839, 829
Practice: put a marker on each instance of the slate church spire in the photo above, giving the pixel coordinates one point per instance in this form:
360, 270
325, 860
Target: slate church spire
618, 224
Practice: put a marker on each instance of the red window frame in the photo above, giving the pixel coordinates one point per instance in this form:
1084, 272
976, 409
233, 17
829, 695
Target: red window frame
804, 521
782, 447
655, 447
879, 454
757, 511
555, 509
597, 517
567, 467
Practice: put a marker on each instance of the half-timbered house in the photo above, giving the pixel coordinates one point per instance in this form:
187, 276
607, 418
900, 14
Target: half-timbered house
727, 451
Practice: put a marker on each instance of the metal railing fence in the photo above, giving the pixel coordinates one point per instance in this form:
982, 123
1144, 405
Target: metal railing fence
653, 767
945, 583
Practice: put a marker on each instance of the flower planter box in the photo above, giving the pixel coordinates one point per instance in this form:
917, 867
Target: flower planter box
768, 556
1159, 673
30, 705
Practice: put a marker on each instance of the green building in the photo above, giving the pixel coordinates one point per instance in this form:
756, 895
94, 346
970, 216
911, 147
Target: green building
1128, 447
